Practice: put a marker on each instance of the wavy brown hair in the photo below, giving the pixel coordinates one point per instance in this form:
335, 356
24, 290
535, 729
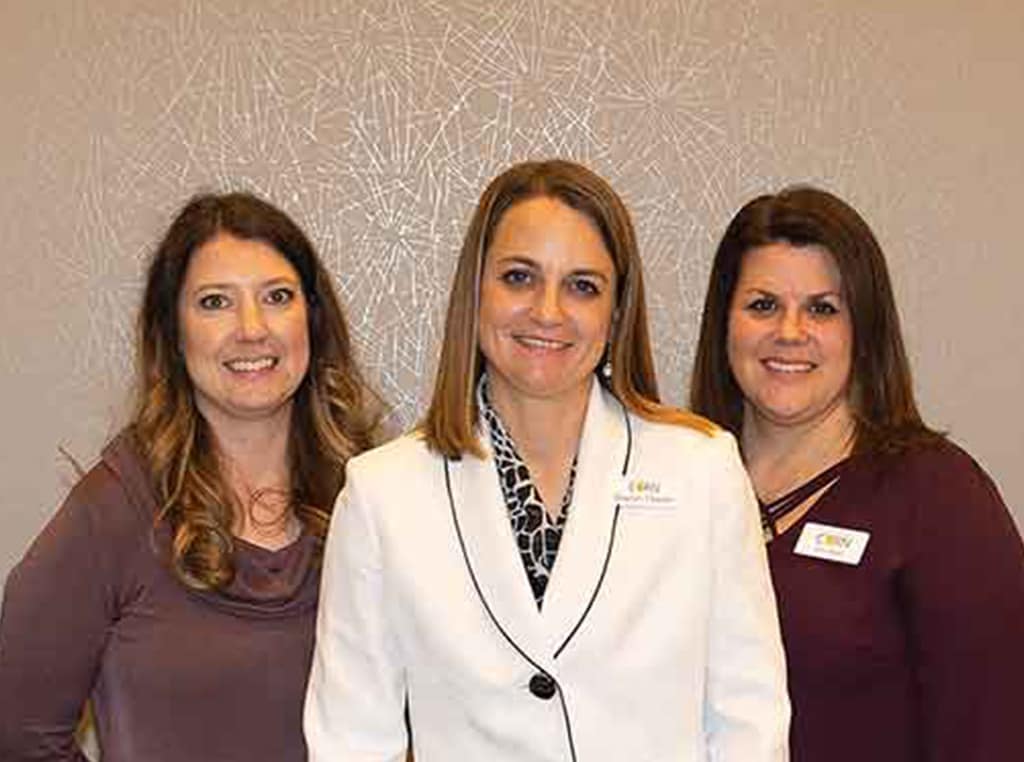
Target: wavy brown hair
881, 391
449, 425
333, 412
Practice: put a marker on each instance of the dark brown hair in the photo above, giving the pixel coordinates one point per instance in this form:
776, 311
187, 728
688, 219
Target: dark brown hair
450, 422
881, 392
331, 420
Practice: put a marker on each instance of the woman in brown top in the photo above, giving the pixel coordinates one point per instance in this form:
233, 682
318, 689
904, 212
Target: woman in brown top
176, 587
898, 570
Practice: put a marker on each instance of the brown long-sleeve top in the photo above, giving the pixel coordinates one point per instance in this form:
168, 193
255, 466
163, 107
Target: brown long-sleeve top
93, 611
916, 654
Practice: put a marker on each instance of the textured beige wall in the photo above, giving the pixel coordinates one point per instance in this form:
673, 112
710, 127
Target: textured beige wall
377, 124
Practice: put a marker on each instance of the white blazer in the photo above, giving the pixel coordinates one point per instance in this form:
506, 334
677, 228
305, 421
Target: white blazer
658, 639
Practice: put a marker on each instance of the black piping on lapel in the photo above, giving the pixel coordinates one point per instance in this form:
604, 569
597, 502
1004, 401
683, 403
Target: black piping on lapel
497, 624
472, 575
611, 541
597, 588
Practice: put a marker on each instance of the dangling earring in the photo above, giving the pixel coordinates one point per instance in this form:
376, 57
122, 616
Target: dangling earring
606, 366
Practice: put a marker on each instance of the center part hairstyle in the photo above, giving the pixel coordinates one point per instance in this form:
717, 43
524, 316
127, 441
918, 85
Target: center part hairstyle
331, 419
880, 389
450, 424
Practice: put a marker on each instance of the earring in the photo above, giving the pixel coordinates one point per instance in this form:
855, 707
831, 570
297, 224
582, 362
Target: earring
606, 369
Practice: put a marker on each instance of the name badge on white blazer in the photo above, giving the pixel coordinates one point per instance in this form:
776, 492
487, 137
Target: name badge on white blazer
639, 493
844, 546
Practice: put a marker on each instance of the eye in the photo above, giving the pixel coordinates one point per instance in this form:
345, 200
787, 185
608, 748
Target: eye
213, 301
762, 305
280, 295
584, 286
822, 308
517, 276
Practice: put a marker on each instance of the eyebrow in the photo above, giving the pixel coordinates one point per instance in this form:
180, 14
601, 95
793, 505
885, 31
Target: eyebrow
519, 259
283, 280
816, 295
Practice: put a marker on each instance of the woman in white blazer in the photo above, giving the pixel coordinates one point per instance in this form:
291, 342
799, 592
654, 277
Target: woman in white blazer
554, 566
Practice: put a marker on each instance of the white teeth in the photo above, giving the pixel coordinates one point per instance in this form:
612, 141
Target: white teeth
780, 366
253, 365
533, 341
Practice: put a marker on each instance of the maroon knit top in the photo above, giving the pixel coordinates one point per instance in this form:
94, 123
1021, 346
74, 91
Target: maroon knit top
916, 654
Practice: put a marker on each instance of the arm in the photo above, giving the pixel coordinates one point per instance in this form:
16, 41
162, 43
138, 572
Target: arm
58, 606
355, 700
963, 593
747, 712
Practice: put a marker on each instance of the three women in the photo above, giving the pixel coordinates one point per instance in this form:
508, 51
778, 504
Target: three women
176, 587
556, 565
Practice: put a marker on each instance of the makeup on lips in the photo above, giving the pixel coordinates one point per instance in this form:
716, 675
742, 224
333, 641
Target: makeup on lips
540, 344
775, 365
251, 366
790, 336
244, 332
546, 300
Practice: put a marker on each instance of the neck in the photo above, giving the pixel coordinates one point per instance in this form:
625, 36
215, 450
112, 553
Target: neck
782, 457
254, 459
255, 451
545, 430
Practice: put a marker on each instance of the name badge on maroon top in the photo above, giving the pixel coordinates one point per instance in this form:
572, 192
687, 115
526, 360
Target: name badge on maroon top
829, 543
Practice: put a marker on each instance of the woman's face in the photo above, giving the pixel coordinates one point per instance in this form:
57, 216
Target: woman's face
242, 318
790, 336
547, 295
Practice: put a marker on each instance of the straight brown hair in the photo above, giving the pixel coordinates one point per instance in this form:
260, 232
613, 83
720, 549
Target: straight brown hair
449, 426
881, 391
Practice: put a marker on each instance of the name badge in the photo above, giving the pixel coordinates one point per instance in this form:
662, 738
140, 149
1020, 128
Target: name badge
637, 492
844, 546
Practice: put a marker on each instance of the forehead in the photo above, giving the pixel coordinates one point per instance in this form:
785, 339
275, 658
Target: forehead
228, 259
549, 231
790, 268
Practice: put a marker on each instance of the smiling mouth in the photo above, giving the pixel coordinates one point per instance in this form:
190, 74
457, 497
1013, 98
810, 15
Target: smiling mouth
788, 366
536, 342
251, 364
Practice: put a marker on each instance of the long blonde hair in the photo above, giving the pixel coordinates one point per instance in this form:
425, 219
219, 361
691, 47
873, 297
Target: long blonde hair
332, 415
449, 425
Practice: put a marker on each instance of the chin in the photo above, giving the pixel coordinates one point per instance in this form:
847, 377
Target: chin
256, 410
558, 388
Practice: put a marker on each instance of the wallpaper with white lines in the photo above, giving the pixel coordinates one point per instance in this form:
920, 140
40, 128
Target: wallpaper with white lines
377, 124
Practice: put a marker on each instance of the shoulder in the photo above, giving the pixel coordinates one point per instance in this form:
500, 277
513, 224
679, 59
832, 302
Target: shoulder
939, 494
690, 459
955, 534
938, 468
114, 495
96, 528
938, 454
395, 463
408, 448
679, 439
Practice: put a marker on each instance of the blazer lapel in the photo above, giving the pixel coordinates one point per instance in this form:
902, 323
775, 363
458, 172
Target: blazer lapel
492, 552
588, 530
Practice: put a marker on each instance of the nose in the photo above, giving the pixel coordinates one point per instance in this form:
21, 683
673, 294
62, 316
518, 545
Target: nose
252, 323
547, 304
791, 326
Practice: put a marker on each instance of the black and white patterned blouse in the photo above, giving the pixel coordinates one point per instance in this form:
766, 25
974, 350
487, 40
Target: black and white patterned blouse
536, 534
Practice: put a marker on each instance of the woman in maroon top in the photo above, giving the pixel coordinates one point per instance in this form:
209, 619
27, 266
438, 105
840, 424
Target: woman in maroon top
177, 585
898, 570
